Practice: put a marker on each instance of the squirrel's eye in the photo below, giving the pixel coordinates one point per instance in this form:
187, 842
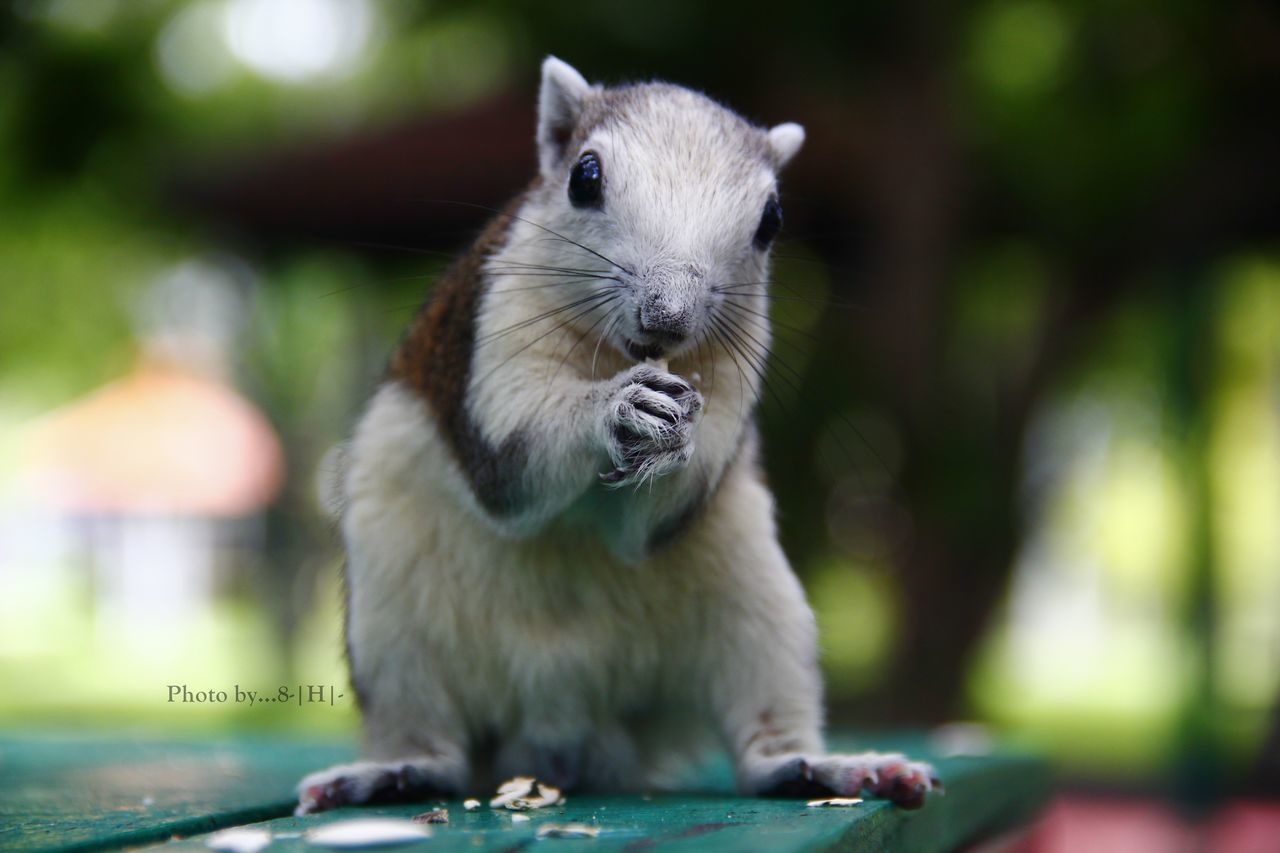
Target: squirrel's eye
770, 224
585, 181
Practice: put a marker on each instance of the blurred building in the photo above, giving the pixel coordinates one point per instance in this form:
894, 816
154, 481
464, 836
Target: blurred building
149, 485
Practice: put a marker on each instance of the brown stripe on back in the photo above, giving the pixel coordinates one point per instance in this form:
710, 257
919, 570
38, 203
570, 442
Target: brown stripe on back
434, 359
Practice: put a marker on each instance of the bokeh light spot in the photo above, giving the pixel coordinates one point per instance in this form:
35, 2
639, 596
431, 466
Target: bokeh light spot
293, 41
1020, 48
190, 54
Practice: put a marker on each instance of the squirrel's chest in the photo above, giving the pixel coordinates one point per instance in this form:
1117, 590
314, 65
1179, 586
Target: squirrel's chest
428, 573
544, 635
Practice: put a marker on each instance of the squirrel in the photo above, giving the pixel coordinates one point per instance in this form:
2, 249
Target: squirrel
561, 553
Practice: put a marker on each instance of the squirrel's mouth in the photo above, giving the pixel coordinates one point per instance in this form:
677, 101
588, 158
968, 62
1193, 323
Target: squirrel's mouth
640, 352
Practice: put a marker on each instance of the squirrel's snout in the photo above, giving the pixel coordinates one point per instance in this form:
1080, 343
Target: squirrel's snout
668, 312
667, 321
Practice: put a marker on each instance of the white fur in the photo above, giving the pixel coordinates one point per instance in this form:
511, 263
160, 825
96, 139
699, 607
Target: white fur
785, 141
560, 101
556, 628
550, 638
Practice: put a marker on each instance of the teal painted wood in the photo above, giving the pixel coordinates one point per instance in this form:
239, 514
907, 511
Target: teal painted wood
81, 793
70, 791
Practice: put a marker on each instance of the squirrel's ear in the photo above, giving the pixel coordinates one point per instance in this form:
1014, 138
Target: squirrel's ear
559, 107
784, 141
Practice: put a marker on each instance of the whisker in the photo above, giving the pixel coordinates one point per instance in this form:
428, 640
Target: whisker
773, 320
562, 283
534, 287
555, 274
604, 334
713, 366
398, 308
540, 317
840, 270
714, 328
346, 289
758, 369
561, 325
768, 353
578, 276
576, 343
370, 283
531, 269
812, 300
702, 367
723, 287
550, 231
773, 354
505, 259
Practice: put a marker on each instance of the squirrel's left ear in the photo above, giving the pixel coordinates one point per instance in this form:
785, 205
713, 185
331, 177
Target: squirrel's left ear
784, 141
560, 103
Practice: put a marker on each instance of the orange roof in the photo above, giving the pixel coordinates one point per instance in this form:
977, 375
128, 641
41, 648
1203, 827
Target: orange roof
162, 439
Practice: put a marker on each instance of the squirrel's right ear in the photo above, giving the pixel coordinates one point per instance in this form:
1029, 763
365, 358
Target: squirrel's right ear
784, 142
560, 103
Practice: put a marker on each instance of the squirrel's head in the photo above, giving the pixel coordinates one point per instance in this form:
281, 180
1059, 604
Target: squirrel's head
667, 192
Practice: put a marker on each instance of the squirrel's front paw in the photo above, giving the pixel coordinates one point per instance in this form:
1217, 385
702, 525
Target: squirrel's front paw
407, 781
890, 775
649, 425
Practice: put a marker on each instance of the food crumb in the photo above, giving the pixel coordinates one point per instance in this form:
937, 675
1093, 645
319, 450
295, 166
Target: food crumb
239, 840
834, 802
471, 805
433, 816
367, 832
525, 792
568, 830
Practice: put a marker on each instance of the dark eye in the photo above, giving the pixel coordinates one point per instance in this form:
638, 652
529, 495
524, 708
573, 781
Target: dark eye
770, 224
585, 181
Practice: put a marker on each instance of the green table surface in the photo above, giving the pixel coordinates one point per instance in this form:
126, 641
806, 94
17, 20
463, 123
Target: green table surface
81, 791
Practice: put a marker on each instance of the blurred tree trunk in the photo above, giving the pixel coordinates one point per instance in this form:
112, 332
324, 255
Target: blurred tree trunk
947, 586
959, 477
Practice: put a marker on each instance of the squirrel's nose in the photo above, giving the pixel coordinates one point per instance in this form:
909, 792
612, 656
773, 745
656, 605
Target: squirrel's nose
667, 319
670, 305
